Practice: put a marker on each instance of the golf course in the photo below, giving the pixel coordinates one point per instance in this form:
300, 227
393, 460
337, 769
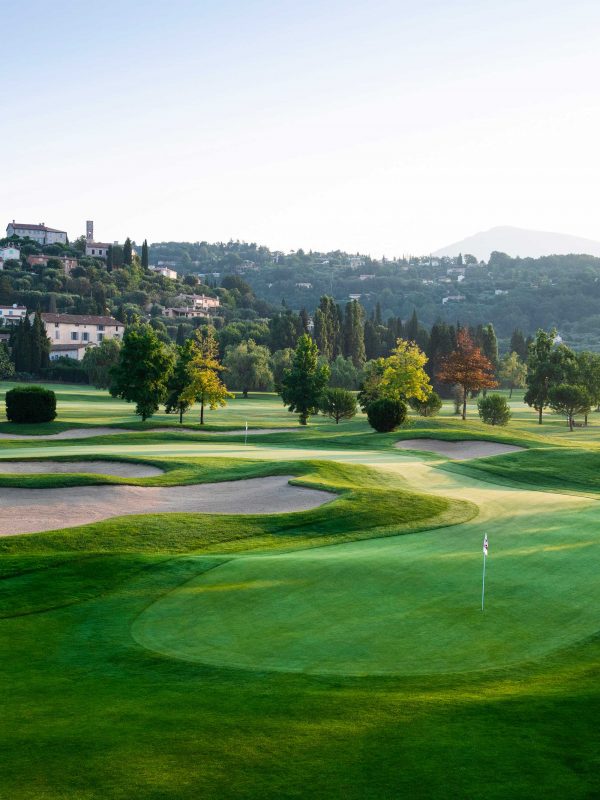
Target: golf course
296, 612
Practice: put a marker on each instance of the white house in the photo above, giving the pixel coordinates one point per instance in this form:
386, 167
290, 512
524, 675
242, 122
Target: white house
96, 249
9, 254
12, 315
166, 272
198, 301
453, 298
80, 329
39, 233
186, 312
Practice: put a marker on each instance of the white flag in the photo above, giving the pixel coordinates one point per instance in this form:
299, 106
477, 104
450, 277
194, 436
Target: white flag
485, 546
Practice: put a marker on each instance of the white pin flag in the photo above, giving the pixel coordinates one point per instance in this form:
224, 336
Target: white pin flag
246, 434
485, 552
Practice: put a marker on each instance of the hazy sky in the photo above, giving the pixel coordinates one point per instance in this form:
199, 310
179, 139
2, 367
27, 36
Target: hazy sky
372, 126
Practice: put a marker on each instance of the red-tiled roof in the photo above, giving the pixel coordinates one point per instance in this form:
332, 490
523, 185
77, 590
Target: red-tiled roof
56, 347
80, 319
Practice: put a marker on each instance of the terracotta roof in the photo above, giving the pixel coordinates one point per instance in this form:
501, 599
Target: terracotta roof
56, 347
80, 319
32, 227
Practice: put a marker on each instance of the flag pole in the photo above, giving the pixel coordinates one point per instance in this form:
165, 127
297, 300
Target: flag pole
485, 552
483, 584
246, 435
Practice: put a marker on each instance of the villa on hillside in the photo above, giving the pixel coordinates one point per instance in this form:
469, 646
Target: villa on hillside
71, 334
12, 315
9, 254
68, 263
38, 233
166, 272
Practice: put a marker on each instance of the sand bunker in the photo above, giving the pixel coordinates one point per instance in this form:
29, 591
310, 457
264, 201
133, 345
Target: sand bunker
29, 510
120, 469
85, 433
460, 451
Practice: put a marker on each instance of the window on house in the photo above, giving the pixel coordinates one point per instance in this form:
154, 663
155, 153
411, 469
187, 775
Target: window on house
100, 327
74, 336
57, 334
100, 337
85, 337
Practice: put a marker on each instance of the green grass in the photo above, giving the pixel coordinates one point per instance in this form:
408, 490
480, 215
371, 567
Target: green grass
310, 655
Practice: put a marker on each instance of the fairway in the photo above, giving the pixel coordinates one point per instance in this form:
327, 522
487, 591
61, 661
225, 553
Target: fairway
253, 655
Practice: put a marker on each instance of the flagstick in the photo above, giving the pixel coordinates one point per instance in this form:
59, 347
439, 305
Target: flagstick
483, 583
246, 436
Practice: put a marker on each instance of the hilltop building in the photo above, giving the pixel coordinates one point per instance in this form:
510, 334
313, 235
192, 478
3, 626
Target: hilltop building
93, 248
39, 233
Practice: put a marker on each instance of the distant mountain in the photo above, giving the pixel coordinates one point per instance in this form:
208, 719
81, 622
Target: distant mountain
520, 242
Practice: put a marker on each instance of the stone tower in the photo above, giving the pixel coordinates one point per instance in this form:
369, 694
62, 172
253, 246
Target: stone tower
89, 230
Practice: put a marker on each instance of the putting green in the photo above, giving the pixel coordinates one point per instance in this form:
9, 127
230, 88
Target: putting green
406, 605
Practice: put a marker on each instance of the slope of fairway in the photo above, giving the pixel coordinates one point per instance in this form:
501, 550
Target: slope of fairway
407, 605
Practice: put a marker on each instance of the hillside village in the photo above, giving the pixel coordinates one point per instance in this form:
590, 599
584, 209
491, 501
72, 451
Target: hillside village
178, 286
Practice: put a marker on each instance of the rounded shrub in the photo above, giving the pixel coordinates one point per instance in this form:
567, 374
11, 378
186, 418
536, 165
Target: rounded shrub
427, 408
494, 409
28, 404
386, 415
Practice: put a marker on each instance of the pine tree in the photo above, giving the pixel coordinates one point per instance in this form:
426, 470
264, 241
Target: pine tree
180, 339
109, 258
145, 254
303, 384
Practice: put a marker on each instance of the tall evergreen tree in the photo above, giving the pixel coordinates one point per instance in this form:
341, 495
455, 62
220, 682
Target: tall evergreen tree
109, 258
180, 338
411, 332
327, 328
518, 345
40, 345
145, 254
354, 336
303, 384
127, 252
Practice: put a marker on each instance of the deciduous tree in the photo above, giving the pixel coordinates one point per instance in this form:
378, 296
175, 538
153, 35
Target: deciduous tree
467, 367
142, 373
99, 361
205, 386
249, 367
569, 399
513, 372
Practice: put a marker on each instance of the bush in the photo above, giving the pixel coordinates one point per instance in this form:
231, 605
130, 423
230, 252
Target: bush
427, 408
29, 404
386, 415
338, 404
494, 409
66, 370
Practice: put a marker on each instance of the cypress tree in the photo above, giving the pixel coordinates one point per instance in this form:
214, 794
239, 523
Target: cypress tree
127, 252
354, 337
145, 254
39, 345
180, 340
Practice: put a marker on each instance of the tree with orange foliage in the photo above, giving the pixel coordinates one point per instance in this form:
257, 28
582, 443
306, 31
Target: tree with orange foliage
467, 367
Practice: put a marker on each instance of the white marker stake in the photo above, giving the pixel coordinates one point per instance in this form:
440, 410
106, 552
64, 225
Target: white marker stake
485, 552
246, 436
